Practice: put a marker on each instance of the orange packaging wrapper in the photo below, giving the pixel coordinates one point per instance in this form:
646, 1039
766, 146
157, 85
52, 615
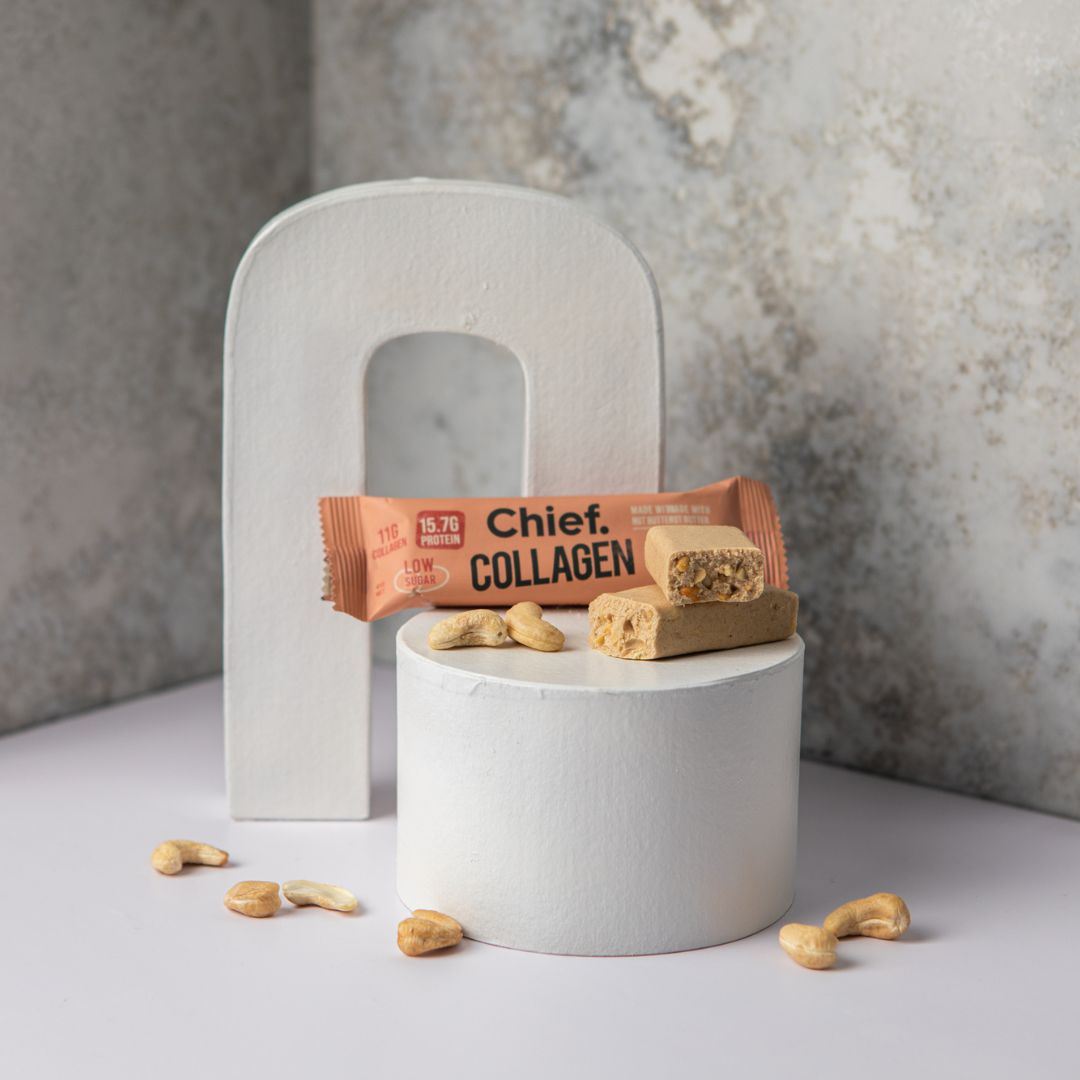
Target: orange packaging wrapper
384, 555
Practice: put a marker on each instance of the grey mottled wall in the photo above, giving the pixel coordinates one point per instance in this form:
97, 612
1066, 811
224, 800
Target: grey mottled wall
863, 218
142, 143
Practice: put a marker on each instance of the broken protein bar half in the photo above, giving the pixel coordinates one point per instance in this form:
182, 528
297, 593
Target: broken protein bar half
694, 564
642, 624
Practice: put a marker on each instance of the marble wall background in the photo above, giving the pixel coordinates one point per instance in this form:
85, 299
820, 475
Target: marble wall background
863, 218
476, 385
142, 142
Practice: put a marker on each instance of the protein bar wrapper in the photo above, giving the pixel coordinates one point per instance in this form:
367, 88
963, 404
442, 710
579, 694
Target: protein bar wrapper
384, 555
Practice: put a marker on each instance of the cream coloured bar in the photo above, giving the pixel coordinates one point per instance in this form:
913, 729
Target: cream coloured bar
698, 563
641, 624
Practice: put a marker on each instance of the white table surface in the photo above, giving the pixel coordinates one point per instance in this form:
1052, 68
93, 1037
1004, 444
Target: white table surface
108, 969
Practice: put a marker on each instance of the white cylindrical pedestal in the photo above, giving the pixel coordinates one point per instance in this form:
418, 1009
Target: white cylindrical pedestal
574, 803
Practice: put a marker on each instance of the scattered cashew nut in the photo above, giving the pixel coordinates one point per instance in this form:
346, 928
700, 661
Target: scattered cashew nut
883, 915
427, 931
810, 946
477, 627
257, 899
332, 897
526, 624
171, 855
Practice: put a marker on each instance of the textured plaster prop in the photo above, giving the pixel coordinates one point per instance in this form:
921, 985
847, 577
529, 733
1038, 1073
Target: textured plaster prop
322, 287
505, 754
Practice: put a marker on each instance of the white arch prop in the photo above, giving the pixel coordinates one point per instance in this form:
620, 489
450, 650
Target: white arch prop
322, 286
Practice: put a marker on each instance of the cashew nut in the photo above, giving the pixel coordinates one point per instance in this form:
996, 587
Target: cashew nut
332, 897
170, 856
810, 946
476, 627
427, 931
257, 899
883, 915
526, 624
